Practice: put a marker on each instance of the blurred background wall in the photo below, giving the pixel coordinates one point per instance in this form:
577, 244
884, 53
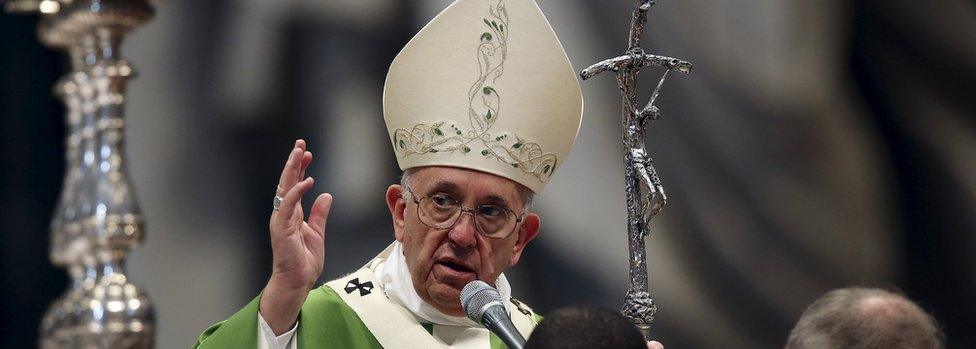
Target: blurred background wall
818, 144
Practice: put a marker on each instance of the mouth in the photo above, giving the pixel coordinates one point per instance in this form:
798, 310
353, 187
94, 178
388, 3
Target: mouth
458, 267
454, 272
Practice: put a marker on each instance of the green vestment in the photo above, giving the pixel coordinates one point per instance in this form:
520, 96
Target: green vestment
328, 321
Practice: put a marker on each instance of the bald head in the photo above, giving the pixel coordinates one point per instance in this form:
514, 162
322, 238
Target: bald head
865, 318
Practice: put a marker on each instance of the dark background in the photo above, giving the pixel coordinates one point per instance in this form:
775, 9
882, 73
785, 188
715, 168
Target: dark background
815, 146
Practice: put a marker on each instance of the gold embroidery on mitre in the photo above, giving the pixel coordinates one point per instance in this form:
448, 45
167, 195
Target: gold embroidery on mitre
484, 105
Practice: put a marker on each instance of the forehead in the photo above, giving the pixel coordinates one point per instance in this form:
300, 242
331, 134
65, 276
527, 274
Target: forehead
465, 182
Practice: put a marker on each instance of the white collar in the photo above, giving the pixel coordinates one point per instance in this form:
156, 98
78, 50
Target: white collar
394, 276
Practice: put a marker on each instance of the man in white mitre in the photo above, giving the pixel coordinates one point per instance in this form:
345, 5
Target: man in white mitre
482, 107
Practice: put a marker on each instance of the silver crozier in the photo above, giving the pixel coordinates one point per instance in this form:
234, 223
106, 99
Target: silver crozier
644, 192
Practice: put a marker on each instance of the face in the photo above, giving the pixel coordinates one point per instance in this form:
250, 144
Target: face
442, 261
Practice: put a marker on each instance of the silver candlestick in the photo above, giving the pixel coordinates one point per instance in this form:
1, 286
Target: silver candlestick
97, 220
644, 193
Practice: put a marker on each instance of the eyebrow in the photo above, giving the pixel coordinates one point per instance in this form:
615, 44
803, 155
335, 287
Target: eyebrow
448, 186
442, 185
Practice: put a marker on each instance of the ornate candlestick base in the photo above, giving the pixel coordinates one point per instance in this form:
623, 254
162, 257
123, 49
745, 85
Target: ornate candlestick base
97, 220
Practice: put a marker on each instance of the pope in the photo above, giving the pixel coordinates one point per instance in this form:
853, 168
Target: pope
482, 106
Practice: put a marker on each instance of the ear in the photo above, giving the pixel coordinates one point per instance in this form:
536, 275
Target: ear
527, 233
394, 200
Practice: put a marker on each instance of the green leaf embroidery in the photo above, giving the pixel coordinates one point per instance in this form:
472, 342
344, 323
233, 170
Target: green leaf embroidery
495, 34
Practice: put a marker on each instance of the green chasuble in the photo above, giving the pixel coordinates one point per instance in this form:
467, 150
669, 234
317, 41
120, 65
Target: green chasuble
328, 320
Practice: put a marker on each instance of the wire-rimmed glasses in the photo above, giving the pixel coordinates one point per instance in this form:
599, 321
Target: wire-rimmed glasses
441, 211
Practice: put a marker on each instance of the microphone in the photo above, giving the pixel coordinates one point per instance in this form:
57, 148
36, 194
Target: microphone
483, 304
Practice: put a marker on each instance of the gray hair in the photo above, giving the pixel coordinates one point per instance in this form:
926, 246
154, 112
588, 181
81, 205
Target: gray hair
865, 318
526, 193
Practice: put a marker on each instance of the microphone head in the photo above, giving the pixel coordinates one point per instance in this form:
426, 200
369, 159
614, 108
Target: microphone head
475, 296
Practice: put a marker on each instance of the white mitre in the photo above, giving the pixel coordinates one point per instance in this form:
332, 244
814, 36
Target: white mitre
485, 85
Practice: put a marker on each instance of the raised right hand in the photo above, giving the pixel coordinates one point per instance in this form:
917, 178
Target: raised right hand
298, 246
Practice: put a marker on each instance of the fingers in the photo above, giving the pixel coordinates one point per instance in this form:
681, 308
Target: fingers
287, 209
294, 167
306, 157
320, 214
655, 345
298, 215
306, 160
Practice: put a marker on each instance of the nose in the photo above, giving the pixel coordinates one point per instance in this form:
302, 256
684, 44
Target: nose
464, 233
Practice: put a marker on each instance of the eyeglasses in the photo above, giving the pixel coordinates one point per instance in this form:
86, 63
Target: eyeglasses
441, 211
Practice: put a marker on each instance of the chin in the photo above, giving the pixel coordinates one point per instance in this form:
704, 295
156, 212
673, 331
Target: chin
445, 296
445, 292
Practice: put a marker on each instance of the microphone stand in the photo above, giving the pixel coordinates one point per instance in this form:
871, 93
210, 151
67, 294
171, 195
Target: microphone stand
644, 193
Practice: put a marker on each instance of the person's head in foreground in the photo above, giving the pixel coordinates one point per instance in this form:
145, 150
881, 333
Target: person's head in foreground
588, 327
865, 318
